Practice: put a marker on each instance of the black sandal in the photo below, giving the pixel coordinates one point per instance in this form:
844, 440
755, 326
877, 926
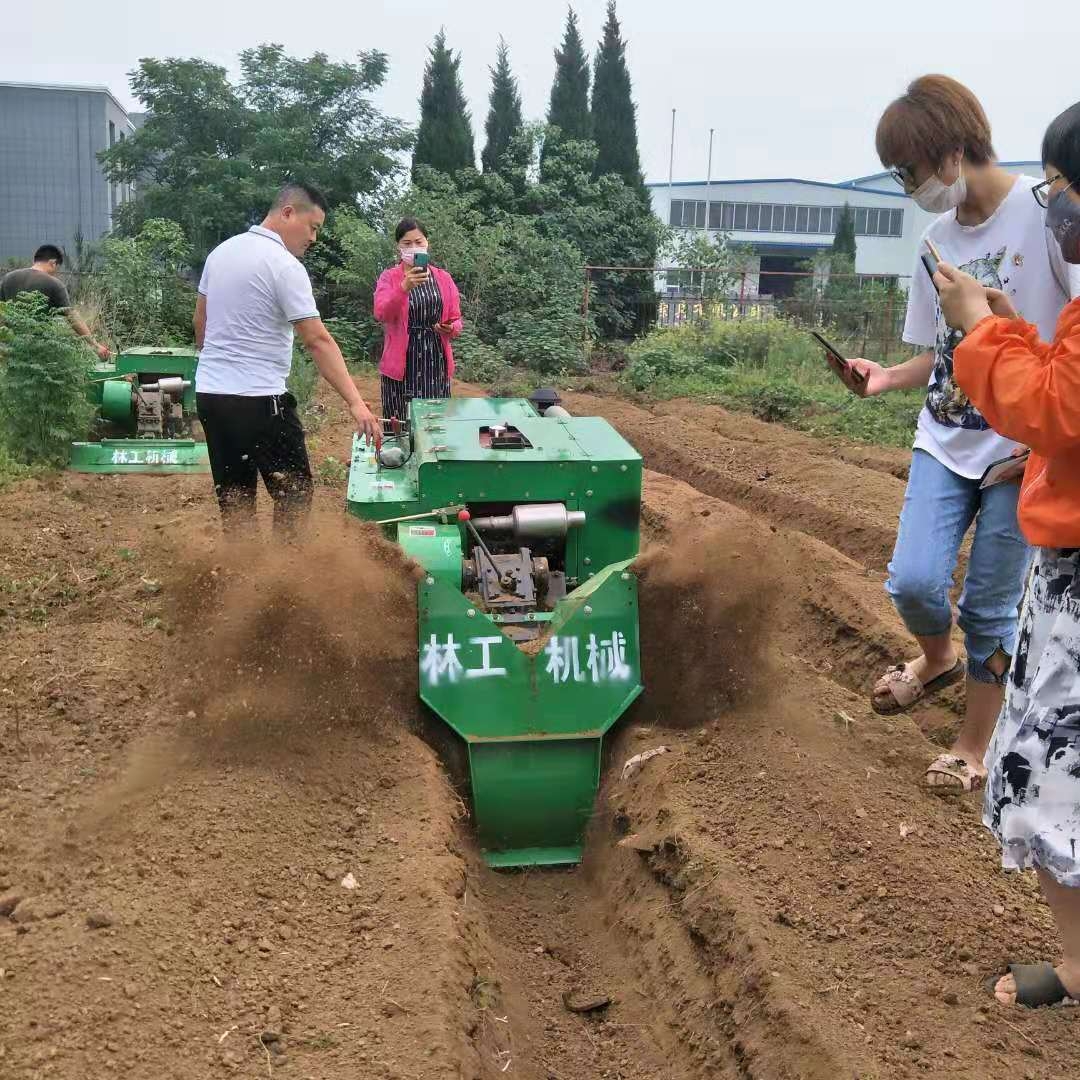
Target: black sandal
1037, 985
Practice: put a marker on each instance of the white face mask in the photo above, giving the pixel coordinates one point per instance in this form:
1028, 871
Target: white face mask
937, 198
409, 254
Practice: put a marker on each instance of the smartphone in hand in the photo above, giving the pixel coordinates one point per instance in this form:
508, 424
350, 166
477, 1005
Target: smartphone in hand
930, 259
841, 366
420, 261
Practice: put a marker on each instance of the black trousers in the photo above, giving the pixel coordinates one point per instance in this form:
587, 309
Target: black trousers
249, 437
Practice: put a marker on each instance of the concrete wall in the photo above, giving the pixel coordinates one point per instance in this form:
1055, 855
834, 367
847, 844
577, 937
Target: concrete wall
51, 185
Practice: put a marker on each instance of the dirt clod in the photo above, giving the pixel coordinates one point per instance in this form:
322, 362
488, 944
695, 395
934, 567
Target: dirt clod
585, 1003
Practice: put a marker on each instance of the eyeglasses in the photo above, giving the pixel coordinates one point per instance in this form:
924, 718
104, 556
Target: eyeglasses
905, 177
1041, 192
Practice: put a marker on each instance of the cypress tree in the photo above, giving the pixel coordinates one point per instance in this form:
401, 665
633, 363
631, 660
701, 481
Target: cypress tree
504, 116
445, 137
614, 117
844, 240
569, 107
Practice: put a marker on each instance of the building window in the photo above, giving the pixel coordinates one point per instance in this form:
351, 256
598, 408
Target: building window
112, 133
687, 214
770, 217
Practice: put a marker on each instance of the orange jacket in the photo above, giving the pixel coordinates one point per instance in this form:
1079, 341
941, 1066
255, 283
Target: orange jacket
1030, 391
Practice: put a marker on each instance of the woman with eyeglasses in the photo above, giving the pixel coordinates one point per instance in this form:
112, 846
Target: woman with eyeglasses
936, 138
1029, 390
420, 309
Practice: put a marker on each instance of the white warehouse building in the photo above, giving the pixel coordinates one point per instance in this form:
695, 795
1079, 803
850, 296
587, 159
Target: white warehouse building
786, 222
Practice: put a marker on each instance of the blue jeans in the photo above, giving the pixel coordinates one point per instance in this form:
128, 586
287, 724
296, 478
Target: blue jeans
939, 507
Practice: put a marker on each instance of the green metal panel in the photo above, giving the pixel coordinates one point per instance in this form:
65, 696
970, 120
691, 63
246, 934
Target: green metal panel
533, 720
376, 494
437, 548
579, 682
582, 462
116, 402
533, 800
140, 456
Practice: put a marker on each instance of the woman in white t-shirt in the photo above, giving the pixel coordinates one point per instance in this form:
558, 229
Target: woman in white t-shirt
936, 138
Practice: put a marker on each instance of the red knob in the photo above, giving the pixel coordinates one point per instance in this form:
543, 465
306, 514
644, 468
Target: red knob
463, 515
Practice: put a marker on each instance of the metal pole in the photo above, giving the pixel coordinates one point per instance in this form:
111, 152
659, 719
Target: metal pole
708, 185
671, 166
585, 345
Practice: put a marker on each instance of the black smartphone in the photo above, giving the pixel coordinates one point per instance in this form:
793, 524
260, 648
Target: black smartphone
930, 260
837, 361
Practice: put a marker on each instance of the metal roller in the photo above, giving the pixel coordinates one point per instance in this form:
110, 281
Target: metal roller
534, 521
171, 386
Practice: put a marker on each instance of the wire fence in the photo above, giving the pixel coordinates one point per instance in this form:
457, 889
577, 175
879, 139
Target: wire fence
864, 313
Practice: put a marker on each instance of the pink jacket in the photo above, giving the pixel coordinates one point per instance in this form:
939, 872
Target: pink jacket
392, 310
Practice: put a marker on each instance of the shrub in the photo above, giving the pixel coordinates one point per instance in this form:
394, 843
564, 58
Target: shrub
549, 341
476, 362
44, 374
138, 294
303, 378
360, 340
776, 401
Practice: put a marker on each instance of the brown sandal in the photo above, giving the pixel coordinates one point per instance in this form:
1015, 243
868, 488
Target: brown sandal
965, 778
906, 688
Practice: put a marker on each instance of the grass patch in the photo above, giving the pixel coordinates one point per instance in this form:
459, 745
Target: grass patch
771, 369
12, 470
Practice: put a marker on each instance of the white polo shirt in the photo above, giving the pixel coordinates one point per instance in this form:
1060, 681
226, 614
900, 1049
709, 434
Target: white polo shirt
255, 290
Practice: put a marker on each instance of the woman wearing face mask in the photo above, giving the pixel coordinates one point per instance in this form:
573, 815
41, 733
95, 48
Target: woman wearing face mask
1030, 391
937, 140
420, 310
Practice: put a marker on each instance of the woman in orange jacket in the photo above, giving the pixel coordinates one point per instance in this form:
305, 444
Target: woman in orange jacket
1030, 391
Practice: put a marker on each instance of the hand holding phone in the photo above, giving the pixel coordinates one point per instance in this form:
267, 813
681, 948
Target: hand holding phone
420, 261
1006, 469
844, 370
931, 258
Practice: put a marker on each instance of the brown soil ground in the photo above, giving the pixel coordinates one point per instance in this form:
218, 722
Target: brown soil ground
198, 742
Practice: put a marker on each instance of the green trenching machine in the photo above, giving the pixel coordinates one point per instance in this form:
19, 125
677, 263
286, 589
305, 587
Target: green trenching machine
145, 401
525, 520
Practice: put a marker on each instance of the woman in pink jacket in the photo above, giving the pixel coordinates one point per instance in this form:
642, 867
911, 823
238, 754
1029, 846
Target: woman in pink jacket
420, 310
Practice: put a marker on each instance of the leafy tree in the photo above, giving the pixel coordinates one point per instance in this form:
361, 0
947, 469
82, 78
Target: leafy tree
844, 240
715, 265
568, 109
614, 116
520, 285
504, 116
139, 290
44, 371
445, 138
212, 153
606, 219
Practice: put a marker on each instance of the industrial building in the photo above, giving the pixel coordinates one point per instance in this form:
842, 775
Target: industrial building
786, 222
52, 187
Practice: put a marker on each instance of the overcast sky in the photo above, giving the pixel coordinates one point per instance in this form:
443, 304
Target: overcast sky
792, 88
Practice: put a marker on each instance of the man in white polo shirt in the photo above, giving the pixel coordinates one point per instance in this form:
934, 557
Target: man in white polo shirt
254, 291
